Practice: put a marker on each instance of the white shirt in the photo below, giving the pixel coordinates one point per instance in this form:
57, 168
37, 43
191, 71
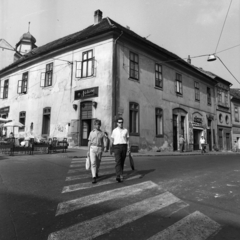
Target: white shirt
202, 140
120, 136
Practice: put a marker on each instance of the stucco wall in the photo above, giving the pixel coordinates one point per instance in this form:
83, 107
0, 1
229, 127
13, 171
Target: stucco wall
60, 95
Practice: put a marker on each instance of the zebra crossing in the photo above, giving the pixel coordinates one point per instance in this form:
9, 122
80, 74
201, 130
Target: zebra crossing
138, 200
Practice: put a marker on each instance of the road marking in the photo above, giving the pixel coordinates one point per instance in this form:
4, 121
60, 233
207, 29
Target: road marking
83, 164
84, 170
194, 226
103, 172
115, 219
81, 186
82, 202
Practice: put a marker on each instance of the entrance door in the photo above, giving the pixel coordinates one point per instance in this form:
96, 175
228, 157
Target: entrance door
175, 140
228, 144
220, 141
209, 139
86, 123
86, 129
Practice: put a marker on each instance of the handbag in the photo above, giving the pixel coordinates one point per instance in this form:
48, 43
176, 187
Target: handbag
131, 161
88, 163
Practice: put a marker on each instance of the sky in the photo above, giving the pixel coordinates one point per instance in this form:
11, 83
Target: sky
183, 27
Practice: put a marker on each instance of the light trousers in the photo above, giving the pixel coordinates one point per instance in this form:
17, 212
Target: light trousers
95, 158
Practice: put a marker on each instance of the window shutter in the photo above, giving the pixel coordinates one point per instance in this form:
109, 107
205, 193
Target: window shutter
78, 69
19, 89
94, 66
175, 86
24, 87
42, 80
1, 92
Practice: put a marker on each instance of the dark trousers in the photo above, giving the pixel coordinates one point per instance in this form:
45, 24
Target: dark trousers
120, 151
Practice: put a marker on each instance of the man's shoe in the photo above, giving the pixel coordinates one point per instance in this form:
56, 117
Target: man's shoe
97, 176
118, 179
94, 180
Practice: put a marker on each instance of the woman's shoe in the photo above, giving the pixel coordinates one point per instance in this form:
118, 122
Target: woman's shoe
94, 180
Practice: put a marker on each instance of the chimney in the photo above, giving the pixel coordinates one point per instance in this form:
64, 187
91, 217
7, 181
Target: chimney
189, 59
97, 16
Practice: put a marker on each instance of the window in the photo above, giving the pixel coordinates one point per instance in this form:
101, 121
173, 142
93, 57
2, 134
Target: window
86, 67
46, 78
178, 83
159, 121
22, 119
22, 84
158, 76
209, 99
134, 119
46, 121
134, 66
4, 89
236, 113
197, 91
222, 97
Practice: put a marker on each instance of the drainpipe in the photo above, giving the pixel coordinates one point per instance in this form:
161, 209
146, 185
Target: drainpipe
115, 80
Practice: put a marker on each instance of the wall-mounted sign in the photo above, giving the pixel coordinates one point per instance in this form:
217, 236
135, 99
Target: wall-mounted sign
86, 93
4, 110
197, 120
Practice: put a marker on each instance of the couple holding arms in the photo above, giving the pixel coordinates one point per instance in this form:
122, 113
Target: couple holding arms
119, 143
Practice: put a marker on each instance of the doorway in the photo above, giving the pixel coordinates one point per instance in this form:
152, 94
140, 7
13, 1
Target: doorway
175, 140
86, 122
209, 139
86, 129
228, 143
196, 137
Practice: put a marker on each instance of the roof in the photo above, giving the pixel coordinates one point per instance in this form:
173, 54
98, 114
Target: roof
235, 92
106, 25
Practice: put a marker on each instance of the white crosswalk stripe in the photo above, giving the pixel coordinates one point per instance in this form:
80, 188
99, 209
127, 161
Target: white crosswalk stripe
103, 224
81, 186
194, 226
146, 198
104, 196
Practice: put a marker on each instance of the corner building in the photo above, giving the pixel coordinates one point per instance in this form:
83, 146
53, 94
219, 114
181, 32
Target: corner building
106, 71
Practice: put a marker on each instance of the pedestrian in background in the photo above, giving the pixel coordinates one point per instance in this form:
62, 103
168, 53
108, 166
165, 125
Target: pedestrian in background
120, 146
181, 143
95, 148
203, 146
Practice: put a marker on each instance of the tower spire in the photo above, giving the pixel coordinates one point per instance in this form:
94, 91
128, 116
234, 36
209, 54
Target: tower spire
29, 26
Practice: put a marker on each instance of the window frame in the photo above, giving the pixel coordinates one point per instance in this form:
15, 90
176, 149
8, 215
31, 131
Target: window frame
44, 79
87, 61
4, 89
46, 111
158, 76
159, 112
23, 113
133, 66
236, 112
134, 118
209, 96
23, 84
179, 89
197, 91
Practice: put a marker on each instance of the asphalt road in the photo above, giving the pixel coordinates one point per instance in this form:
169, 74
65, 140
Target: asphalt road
49, 197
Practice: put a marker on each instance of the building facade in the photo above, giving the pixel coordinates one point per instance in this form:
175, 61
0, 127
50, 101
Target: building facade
106, 71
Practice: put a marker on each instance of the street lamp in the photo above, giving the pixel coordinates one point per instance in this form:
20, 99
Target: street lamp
211, 58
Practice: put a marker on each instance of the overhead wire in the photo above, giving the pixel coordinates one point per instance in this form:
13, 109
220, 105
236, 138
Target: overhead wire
223, 26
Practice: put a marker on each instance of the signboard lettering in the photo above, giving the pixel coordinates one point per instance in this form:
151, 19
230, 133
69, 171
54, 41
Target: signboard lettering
86, 93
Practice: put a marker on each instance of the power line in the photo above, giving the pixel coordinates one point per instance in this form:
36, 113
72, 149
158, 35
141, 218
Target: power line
223, 25
228, 48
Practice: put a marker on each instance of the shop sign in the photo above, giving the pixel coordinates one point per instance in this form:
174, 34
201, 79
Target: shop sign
197, 120
4, 110
86, 93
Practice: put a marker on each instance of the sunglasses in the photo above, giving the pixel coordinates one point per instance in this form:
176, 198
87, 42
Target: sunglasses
119, 122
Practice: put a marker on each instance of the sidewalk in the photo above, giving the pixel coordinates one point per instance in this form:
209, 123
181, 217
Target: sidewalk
81, 152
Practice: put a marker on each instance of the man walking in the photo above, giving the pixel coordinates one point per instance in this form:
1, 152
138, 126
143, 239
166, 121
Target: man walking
181, 143
120, 146
95, 148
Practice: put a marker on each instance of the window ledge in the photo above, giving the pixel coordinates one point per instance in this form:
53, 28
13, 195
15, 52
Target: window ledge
197, 100
134, 80
134, 134
158, 88
179, 94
